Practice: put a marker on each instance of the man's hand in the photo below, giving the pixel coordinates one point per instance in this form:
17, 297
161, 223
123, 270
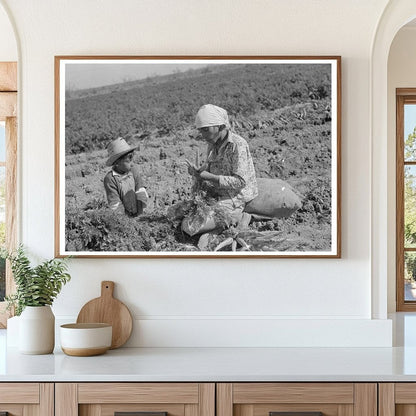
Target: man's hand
192, 169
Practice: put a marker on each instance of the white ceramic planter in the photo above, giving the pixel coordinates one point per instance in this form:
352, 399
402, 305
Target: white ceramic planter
37, 330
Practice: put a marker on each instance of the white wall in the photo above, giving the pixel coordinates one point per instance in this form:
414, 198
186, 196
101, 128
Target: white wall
203, 302
401, 74
8, 46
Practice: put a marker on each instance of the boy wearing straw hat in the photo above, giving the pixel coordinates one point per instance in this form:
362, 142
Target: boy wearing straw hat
123, 184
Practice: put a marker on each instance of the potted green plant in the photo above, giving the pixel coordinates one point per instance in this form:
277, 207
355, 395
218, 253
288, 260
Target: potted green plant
36, 289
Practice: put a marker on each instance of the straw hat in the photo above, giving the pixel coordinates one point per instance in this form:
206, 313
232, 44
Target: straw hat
118, 148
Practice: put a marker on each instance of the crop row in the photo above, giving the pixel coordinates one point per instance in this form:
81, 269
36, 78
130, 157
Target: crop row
244, 90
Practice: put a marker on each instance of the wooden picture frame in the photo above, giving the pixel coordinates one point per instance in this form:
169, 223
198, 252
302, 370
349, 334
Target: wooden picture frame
286, 109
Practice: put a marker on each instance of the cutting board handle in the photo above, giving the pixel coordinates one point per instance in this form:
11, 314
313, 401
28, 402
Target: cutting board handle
107, 289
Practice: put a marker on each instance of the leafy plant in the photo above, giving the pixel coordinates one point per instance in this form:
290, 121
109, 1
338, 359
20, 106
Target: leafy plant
93, 118
410, 192
35, 285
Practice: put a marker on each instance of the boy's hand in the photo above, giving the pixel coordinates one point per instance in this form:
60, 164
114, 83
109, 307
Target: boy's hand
142, 196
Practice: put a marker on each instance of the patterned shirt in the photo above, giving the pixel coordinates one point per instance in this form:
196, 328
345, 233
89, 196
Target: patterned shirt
230, 158
125, 190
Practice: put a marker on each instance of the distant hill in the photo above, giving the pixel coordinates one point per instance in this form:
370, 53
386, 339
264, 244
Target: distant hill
151, 80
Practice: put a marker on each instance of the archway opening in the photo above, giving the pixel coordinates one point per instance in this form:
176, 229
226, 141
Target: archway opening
401, 124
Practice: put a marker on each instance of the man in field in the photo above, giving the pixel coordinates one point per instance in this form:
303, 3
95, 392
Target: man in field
123, 184
227, 175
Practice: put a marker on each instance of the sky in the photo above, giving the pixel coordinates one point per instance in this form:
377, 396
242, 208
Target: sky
81, 74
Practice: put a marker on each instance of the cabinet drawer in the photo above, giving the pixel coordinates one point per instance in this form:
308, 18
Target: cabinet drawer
148, 399
19, 393
309, 399
397, 399
138, 393
21, 399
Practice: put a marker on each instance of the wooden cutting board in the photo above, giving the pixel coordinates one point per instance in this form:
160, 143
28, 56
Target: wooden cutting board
109, 310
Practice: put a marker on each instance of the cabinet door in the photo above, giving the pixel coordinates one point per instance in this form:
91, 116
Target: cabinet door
297, 399
142, 399
397, 399
26, 399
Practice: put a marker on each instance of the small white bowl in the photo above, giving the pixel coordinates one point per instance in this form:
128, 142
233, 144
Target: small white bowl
83, 340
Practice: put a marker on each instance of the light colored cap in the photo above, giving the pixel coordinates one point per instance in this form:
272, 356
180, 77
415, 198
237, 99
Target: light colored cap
211, 115
116, 149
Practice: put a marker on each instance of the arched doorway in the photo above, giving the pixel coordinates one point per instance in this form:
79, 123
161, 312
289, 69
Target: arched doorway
401, 98
396, 15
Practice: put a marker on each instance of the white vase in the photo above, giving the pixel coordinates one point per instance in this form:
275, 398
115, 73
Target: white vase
37, 330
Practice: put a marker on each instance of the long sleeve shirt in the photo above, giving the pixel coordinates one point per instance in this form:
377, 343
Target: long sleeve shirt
230, 158
125, 191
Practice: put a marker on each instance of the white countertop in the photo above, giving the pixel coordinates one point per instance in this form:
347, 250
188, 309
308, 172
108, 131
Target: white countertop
221, 364
215, 364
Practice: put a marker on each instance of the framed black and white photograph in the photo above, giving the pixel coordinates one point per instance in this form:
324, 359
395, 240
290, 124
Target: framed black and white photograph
198, 156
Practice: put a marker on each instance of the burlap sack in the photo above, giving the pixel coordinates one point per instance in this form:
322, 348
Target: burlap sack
276, 199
